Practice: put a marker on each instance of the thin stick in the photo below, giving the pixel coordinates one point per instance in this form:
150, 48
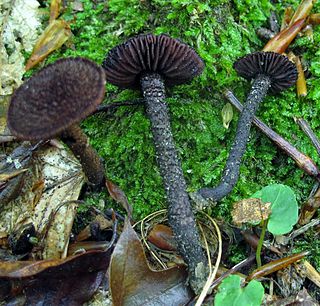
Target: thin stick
304, 162
304, 125
115, 105
233, 270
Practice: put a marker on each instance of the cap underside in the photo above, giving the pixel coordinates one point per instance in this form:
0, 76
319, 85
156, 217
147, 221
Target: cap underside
279, 68
175, 61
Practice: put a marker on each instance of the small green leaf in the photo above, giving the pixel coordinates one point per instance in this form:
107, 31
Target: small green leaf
227, 115
231, 294
284, 207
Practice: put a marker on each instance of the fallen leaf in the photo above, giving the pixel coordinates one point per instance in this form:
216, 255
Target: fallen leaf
53, 37
276, 265
132, 282
251, 211
119, 196
280, 42
86, 232
55, 7
10, 168
46, 199
162, 237
71, 281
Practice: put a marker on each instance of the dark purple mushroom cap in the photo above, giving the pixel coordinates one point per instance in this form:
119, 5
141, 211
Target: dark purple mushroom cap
59, 95
282, 72
175, 61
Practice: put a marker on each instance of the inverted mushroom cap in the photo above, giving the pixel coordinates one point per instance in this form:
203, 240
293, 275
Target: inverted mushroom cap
59, 95
175, 61
279, 68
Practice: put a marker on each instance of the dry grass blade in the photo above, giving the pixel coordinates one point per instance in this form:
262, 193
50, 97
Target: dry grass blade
212, 275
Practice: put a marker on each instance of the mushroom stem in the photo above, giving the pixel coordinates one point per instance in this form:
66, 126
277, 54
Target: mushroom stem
91, 163
181, 217
230, 174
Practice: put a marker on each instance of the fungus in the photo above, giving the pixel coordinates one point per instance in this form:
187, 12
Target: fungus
152, 62
52, 103
269, 71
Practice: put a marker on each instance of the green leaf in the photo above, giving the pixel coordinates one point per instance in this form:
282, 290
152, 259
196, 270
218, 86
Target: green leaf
231, 294
284, 207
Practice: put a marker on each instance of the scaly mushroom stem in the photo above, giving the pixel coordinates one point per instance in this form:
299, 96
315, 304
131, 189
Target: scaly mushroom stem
230, 174
181, 217
91, 163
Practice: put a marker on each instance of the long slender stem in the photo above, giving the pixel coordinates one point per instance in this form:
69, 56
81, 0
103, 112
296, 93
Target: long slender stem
180, 215
304, 162
91, 163
230, 174
260, 244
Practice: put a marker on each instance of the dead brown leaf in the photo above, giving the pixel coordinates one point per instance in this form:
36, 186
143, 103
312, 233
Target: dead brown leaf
119, 196
53, 37
162, 237
132, 282
251, 211
71, 281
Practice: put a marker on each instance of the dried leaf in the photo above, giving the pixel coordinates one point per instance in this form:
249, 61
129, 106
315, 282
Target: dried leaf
55, 7
53, 37
287, 16
162, 237
309, 208
302, 11
282, 40
119, 196
20, 157
71, 281
132, 282
56, 209
276, 265
50, 186
86, 232
301, 81
314, 19
10, 175
312, 273
251, 211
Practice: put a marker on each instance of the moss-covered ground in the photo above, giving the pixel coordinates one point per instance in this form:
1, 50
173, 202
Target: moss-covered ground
221, 32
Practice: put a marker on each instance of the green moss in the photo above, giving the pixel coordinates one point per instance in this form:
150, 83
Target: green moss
220, 31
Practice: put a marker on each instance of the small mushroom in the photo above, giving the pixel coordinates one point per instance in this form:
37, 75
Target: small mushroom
52, 103
152, 62
269, 71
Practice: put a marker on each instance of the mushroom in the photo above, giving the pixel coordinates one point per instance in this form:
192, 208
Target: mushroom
269, 71
152, 62
52, 103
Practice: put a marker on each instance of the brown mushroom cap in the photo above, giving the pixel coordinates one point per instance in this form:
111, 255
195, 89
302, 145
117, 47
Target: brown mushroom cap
279, 68
175, 61
59, 95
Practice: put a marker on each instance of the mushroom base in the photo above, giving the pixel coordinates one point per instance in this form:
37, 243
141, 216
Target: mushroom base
231, 171
181, 217
91, 163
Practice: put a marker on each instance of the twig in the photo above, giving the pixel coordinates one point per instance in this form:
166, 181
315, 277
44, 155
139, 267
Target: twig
304, 125
300, 231
234, 269
115, 105
304, 162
